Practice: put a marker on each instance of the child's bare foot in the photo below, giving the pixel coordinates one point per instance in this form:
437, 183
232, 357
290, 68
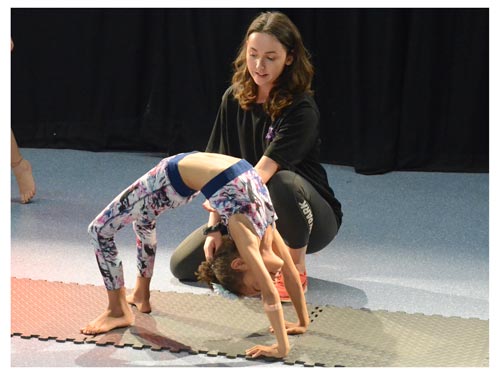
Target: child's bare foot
106, 322
142, 303
141, 294
25, 182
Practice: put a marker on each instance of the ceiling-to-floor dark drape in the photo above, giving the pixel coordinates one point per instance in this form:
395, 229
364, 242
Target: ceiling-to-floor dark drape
398, 89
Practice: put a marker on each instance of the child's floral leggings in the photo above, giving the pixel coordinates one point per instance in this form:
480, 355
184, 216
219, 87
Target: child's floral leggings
140, 204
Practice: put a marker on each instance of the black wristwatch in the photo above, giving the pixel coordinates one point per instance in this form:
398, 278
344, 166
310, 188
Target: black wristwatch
214, 228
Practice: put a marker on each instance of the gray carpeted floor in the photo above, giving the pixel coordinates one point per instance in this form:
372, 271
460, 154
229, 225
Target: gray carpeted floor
412, 242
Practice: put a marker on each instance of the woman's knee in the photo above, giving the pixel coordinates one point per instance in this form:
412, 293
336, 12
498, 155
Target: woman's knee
286, 194
285, 188
188, 256
282, 180
305, 218
322, 237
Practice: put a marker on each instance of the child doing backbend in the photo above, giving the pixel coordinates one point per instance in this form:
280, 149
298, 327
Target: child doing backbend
246, 263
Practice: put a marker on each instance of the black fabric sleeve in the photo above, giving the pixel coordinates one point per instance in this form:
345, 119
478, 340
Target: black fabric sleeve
296, 135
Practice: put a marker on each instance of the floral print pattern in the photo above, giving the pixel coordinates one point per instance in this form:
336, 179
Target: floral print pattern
246, 194
142, 202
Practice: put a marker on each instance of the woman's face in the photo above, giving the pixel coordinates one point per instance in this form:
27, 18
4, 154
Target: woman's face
266, 59
273, 265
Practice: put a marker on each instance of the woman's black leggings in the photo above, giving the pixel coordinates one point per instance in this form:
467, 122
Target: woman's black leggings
304, 219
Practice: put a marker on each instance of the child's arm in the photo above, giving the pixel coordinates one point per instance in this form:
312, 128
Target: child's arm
292, 285
248, 243
214, 239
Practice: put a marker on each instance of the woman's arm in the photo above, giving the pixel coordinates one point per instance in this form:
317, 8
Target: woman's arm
266, 168
248, 244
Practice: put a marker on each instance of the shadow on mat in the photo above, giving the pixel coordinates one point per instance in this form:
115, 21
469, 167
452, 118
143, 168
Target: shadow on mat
143, 333
145, 330
323, 292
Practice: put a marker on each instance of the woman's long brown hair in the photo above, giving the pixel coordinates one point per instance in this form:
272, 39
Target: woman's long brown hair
295, 79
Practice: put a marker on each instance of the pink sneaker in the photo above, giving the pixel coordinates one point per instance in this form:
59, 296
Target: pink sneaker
280, 285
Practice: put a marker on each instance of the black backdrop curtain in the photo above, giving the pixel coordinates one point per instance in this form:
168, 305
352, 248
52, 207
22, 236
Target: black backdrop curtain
398, 89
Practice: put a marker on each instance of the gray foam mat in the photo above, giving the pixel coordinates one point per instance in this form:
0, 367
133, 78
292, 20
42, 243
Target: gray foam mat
364, 338
213, 325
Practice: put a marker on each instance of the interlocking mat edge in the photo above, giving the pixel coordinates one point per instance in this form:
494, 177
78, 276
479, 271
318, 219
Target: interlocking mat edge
212, 325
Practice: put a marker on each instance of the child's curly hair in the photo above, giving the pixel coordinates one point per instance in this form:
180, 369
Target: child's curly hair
218, 270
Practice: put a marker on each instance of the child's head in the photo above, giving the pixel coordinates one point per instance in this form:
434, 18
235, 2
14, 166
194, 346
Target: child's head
218, 270
294, 73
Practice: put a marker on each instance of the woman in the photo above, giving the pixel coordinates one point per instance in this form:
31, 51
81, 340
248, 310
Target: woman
269, 117
246, 265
